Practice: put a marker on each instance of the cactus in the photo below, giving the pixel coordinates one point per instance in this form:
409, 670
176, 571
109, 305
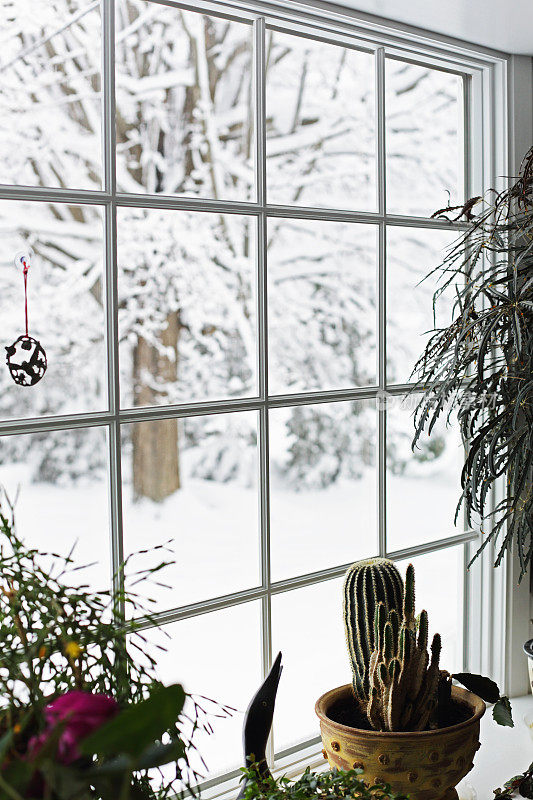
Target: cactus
368, 586
403, 679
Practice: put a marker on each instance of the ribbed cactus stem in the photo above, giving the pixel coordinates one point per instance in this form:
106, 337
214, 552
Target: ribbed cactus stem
387, 643
368, 584
409, 598
394, 620
423, 631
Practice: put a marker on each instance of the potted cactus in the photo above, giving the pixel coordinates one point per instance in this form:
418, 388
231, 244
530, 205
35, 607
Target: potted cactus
401, 721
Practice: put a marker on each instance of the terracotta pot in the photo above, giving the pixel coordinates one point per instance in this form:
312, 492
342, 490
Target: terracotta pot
427, 765
528, 650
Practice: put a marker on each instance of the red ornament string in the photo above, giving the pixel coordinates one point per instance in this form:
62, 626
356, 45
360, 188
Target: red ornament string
25, 273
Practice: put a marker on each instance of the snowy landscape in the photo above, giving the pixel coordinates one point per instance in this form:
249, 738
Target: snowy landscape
188, 327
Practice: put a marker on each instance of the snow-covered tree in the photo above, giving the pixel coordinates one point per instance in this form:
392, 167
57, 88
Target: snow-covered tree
186, 279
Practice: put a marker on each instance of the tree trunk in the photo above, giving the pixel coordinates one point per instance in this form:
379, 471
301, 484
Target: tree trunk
156, 472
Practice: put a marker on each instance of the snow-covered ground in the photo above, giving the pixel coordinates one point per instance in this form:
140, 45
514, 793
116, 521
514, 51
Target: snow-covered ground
216, 543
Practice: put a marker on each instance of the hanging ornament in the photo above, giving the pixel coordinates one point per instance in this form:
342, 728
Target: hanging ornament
26, 358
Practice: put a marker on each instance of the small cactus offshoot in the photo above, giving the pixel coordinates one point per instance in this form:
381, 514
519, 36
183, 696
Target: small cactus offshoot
403, 677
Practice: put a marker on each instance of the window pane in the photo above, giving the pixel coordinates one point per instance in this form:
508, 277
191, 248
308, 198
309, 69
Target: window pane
424, 138
439, 579
412, 254
298, 619
322, 305
65, 306
184, 103
323, 486
187, 307
50, 119
193, 481
216, 655
320, 124
59, 480
423, 487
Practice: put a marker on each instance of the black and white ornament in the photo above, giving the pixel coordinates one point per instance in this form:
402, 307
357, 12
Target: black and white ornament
26, 358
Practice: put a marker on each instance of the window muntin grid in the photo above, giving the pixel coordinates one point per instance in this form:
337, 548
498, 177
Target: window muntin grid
112, 419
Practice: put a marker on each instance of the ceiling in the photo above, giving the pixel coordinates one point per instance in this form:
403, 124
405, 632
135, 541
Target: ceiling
501, 24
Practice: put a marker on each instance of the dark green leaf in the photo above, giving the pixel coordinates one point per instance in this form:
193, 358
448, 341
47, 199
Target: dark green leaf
526, 787
138, 725
478, 684
155, 755
502, 713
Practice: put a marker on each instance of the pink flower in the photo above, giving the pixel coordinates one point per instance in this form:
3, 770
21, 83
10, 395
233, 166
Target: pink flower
82, 713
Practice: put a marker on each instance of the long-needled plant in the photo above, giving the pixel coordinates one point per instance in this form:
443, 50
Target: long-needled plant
482, 363
82, 713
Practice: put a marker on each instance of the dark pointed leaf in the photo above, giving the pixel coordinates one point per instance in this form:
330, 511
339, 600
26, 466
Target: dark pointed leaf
478, 684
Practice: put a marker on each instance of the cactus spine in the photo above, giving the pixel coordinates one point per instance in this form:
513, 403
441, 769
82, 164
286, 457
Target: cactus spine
368, 586
403, 679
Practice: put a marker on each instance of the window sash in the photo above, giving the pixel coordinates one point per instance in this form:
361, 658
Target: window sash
484, 157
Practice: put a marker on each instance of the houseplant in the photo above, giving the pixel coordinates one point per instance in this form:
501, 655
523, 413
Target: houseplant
401, 721
482, 363
517, 786
329, 785
82, 714
257, 782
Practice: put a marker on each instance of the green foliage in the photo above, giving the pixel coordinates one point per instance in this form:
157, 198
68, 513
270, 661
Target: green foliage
55, 638
367, 584
331, 784
482, 363
502, 712
489, 692
136, 726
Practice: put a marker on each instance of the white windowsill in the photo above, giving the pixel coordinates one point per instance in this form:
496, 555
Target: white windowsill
504, 752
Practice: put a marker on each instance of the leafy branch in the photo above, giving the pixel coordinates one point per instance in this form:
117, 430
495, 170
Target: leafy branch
64, 643
482, 363
327, 785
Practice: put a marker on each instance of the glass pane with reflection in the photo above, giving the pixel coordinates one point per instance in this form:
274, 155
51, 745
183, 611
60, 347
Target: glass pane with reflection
320, 126
412, 253
66, 306
439, 580
216, 657
423, 487
300, 618
322, 305
58, 481
187, 317
323, 486
191, 483
50, 94
184, 103
424, 138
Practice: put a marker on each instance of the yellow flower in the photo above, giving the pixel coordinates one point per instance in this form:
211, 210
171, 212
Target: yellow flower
73, 650
42, 651
17, 728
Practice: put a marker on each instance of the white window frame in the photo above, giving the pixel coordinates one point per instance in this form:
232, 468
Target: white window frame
486, 145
